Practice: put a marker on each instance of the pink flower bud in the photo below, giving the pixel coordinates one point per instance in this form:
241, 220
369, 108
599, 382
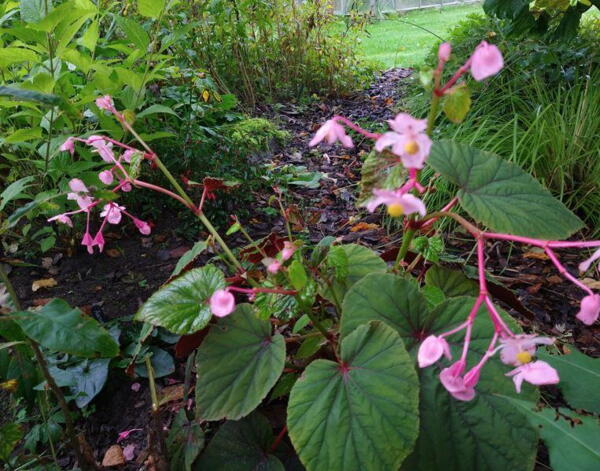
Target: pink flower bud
78, 186
331, 132
586, 264
431, 350
105, 103
88, 242
63, 219
106, 177
68, 146
142, 226
126, 187
99, 241
444, 52
128, 154
288, 250
222, 303
274, 267
590, 309
486, 61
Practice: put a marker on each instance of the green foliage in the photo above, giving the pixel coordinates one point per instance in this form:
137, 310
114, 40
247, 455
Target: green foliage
60, 328
184, 442
10, 435
579, 378
572, 439
453, 283
238, 363
276, 50
241, 445
181, 306
500, 195
84, 379
360, 413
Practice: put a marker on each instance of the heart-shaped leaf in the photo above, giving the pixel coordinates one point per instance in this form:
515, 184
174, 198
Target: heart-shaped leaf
452, 282
182, 305
360, 261
237, 365
485, 433
241, 446
360, 414
85, 379
573, 440
60, 328
383, 297
500, 195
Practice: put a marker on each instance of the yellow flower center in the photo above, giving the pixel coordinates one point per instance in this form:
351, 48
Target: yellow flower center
395, 210
411, 147
524, 357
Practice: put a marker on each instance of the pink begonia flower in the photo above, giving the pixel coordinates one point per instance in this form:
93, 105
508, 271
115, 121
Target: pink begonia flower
222, 303
397, 204
98, 241
519, 349
112, 213
106, 177
105, 103
126, 187
538, 373
454, 383
589, 309
79, 194
331, 131
128, 154
432, 349
142, 226
274, 266
586, 264
88, 242
135, 387
486, 61
126, 433
63, 219
288, 250
68, 146
129, 452
104, 149
408, 140
444, 52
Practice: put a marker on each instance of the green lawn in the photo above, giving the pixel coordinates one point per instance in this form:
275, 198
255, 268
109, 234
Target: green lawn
395, 42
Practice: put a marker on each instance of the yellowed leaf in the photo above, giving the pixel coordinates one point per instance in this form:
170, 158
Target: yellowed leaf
591, 283
43, 283
171, 394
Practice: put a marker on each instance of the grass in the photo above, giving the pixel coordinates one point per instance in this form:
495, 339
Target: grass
401, 41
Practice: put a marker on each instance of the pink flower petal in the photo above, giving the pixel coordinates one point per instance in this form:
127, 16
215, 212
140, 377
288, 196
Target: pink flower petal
486, 61
106, 177
589, 309
431, 350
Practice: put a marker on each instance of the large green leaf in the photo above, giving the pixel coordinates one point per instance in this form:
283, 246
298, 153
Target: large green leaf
28, 95
452, 282
361, 414
579, 378
238, 363
182, 305
383, 297
134, 31
483, 434
10, 435
243, 445
573, 440
360, 262
150, 8
33, 11
500, 195
184, 442
85, 379
61, 328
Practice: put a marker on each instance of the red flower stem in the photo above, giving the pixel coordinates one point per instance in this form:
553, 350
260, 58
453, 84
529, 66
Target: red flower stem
563, 271
277, 440
499, 325
446, 208
357, 128
459, 73
263, 290
469, 323
160, 189
201, 205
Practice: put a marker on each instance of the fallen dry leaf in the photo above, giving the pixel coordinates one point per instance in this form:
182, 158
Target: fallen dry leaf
171, 393
113, 457
43, 283
536, 255
113, 253
555, 280
591, 283
364, 226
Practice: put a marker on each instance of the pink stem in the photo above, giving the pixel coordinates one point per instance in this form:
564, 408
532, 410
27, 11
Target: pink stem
160, 189
459, 73
563, 271
481, 266
262, 290
201, 205
499, 324
456, 329
565, 244
449, 206
469, 323
357, 128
